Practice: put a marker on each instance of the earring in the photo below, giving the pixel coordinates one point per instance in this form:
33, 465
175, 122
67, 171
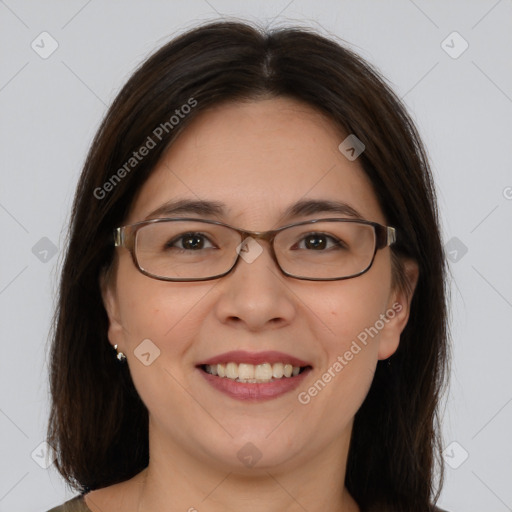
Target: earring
120, 355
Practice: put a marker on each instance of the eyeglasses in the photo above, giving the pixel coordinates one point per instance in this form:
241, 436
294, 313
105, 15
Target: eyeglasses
185, 249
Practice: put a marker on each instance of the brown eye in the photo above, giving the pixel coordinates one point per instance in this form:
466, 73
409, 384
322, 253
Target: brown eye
315, 242
190, 241
193, 242
319, 242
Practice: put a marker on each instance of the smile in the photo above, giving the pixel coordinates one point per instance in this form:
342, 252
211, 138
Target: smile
253, 374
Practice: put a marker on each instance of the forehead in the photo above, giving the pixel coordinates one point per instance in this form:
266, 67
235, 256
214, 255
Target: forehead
258, 158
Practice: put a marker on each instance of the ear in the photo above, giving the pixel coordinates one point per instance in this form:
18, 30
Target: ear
111, 304
398, 309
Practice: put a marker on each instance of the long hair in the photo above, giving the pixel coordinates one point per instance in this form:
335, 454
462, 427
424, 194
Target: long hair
98, 425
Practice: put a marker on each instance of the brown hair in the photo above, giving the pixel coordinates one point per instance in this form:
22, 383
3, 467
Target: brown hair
98, 424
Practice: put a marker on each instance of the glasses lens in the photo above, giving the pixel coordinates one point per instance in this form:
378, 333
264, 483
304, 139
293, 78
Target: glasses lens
185, 249
326, 250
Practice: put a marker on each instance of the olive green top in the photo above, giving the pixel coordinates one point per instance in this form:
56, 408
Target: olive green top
76, 504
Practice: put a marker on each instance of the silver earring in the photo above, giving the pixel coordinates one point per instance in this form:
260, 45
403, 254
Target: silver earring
120, 355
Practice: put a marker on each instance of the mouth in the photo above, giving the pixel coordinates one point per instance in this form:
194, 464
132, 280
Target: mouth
254, 376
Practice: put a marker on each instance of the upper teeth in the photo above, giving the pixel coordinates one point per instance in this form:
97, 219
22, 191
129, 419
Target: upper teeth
245, 372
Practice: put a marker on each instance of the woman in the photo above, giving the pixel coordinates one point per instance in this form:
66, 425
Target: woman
255, 236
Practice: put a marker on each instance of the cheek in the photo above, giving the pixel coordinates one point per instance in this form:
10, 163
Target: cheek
164, 312
353, 307
349, 313
350, 329
159, 321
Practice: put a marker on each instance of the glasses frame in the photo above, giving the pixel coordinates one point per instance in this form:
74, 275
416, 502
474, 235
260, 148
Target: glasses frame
125, 236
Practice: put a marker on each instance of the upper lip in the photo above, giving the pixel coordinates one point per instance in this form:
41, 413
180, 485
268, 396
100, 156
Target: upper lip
242, 356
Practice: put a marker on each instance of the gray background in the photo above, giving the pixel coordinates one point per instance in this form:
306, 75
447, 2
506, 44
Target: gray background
51, 108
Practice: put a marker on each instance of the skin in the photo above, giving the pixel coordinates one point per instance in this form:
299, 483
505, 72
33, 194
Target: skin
258, 158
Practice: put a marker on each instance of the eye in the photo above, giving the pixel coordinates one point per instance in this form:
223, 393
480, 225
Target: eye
319, 242
190, 242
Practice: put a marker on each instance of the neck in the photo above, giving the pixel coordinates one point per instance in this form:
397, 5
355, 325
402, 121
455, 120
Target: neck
174, 480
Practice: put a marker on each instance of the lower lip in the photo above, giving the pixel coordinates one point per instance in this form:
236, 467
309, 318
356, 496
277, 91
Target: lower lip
254, 392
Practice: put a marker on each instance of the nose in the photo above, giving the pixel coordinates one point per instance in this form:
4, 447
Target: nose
255, 295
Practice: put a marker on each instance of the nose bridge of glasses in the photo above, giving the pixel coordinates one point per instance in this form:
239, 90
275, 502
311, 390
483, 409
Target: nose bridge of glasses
265, 236
246, 244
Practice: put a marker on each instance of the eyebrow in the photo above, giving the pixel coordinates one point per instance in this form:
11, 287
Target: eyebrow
218, 209
188, 206
316, 206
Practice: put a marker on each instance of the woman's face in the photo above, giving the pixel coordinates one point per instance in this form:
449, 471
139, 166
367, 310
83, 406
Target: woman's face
257, 159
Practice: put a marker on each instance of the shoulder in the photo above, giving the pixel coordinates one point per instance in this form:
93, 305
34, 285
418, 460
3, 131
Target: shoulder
76, 504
